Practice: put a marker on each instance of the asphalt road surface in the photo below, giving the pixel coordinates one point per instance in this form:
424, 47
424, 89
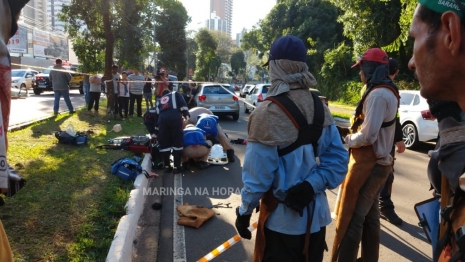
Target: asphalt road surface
36, 107
160, 239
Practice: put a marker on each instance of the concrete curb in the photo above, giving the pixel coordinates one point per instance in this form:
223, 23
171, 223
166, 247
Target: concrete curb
122, 245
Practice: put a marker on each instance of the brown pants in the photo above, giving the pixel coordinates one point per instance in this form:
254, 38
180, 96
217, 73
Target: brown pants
198, 153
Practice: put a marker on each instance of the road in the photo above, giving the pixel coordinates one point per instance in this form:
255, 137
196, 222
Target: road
221, 184
36, 107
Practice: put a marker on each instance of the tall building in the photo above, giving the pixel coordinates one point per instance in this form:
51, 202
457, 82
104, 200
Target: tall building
223, 9
53, 9
216, 23
34, 14
239, 37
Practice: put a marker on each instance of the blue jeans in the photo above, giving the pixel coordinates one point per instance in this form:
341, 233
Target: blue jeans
56, 102
86, 89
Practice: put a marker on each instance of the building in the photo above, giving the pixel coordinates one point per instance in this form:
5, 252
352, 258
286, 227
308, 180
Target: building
223, 9
239, 37
34, 14
216, 23
53, 9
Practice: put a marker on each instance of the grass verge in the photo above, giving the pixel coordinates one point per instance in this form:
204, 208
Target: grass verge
71, 204
341, 115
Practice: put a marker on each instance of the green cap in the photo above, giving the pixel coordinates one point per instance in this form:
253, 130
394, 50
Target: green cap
442, 6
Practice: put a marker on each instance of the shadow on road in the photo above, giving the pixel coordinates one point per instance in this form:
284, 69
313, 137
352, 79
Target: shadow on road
397, 244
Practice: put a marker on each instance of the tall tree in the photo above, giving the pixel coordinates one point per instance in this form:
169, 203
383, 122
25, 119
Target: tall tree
238, 62
370, 23
225, 45
172, 20
205, 54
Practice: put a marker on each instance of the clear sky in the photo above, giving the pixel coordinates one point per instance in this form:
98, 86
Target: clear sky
246, 13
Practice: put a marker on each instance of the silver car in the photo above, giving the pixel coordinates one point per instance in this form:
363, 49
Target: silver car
218, 98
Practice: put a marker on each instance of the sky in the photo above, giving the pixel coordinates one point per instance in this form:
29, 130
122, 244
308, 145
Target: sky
246, 13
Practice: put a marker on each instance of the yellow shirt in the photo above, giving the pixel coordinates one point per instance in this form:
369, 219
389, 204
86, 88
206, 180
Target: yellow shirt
5, 250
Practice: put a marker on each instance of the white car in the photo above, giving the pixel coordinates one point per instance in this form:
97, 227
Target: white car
255, 97
418, 124
22, 78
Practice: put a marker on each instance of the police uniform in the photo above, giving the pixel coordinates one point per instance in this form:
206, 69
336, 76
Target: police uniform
165, 120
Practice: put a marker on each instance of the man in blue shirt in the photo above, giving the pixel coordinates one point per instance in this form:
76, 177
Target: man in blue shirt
292, 186
195, 147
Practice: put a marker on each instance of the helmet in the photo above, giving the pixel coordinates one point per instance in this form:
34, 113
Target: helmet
217, 151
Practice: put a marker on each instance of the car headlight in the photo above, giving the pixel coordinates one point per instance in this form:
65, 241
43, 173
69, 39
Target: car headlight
15, 81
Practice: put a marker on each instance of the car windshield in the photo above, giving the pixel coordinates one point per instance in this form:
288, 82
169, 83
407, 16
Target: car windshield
217, 90
17, 73
406, 98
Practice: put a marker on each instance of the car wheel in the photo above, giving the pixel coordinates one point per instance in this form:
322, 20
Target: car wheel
235, 116
37, 91
410, 135
23, 86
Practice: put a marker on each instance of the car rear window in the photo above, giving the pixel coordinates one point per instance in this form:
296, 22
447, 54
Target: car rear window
406, 98
217, 90
316, 92
264, 90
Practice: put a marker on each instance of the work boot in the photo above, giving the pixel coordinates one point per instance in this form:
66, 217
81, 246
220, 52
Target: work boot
391, 217
177, 170
202, 165
186, 166
230, 155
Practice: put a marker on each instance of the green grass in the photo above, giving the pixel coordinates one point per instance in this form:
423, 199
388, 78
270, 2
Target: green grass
341, 115
71, 204
341, 105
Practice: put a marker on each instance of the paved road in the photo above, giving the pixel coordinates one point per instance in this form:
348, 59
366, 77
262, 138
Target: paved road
35, 107
210, 186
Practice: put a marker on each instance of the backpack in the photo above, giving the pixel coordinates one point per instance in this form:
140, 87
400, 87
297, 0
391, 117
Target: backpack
126, 168
64, 138
308, 133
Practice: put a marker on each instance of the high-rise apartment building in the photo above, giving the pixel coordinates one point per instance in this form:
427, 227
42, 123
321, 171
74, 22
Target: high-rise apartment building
34, 14
53, 9
223, 9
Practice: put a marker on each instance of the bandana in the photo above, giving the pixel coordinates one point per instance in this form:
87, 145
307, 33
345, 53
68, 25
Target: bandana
442, 6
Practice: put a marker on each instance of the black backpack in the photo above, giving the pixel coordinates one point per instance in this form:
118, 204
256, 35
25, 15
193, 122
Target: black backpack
308, 133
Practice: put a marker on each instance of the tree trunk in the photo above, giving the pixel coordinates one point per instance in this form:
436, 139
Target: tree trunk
109, 58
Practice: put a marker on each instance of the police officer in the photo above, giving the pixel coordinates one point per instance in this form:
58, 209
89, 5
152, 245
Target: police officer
165, 123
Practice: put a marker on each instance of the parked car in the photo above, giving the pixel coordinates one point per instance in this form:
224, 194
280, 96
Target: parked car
255, 97
218, 98
41, 82
245, 90
418, 124
22, 78
320, 95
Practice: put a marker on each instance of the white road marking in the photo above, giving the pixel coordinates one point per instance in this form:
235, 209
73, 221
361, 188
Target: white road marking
179, 241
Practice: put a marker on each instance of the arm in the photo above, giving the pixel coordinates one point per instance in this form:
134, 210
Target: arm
260, 164
334, 160
398, 137
375, 112
182, 106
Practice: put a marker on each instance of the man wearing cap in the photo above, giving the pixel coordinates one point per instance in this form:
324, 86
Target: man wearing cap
438, 30
280, 166
386, 206
370, 161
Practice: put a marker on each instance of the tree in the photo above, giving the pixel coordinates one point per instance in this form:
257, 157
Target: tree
237, 62
225, 45
370, 23
98, 24
192, 49
205, 54
170, 27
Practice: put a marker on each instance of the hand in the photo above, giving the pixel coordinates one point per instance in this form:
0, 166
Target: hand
242, 225
400, 146
299, 196
446, 254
